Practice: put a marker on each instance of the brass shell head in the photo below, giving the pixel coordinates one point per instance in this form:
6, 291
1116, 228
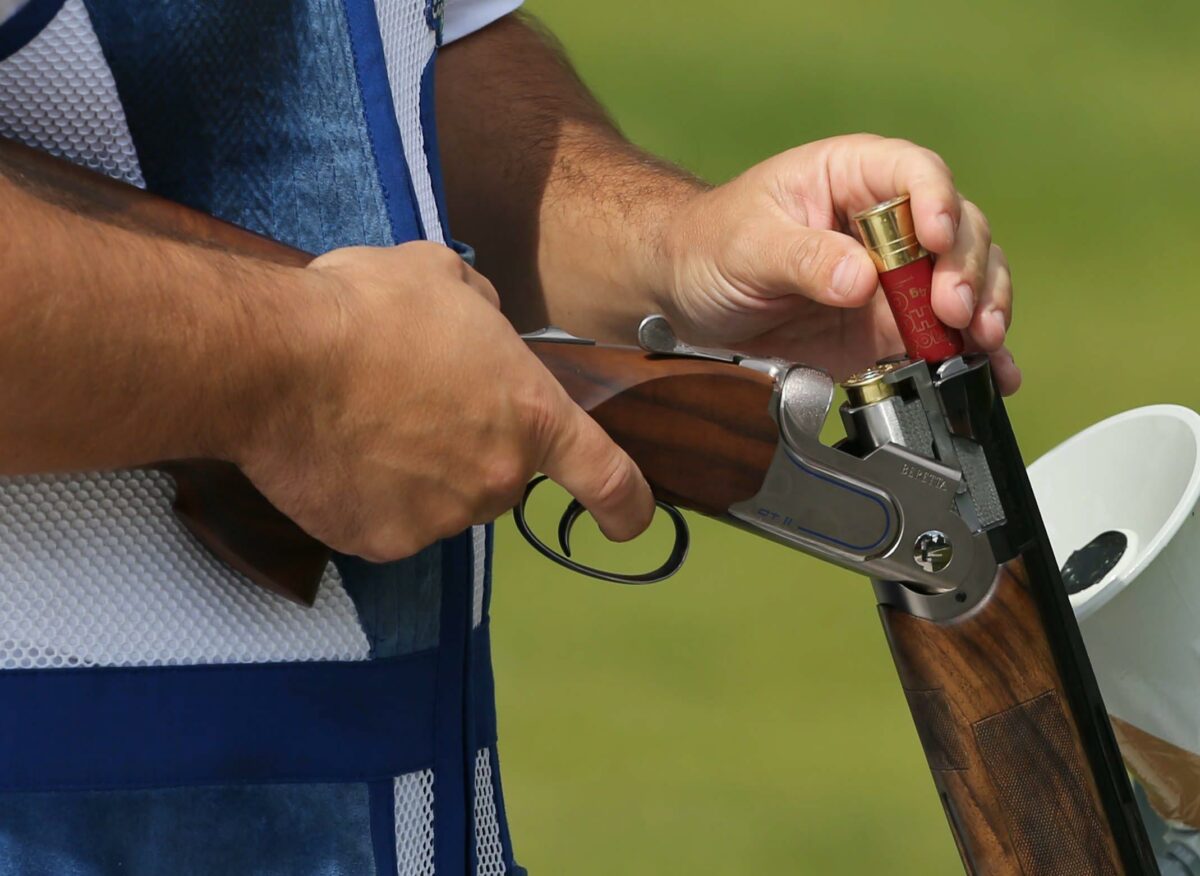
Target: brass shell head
888, 233
868, 387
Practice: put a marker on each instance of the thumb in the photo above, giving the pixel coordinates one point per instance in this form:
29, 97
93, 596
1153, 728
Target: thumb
584, 460
826, 266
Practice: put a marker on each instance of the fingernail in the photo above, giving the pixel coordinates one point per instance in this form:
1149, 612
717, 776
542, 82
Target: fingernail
966, 296
845, 273
997, 319
946, 222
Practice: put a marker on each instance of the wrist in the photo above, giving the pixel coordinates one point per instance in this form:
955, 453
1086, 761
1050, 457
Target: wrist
668, 247
279, 356
683, 235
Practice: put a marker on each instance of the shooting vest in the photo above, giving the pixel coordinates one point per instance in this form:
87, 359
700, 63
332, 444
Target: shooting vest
158, 715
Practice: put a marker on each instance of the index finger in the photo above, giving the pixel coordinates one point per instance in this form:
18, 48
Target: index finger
584, 460
896, 167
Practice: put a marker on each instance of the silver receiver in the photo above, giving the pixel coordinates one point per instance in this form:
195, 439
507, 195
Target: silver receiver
906, 497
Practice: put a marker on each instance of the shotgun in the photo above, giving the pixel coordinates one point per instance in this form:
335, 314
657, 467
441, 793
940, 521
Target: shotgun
927, 495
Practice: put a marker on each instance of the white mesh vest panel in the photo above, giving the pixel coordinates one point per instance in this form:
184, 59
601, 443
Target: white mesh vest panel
408, 45
413, 796
489, 850
94, 569
58, 95
97, 571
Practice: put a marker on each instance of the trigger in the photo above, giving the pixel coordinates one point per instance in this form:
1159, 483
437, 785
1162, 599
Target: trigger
567, 523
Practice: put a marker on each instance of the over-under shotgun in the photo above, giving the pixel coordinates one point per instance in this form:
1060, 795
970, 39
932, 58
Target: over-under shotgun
927, 495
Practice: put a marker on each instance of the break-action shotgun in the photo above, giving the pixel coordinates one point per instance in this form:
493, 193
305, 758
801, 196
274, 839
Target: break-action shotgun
926, 494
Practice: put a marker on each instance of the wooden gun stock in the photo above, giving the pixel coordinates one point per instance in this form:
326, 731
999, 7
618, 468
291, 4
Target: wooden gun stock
700, 431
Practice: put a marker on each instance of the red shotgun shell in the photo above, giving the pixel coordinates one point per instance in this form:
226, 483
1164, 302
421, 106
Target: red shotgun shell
906, 275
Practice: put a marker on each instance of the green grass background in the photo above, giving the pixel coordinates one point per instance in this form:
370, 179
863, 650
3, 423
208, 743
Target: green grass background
745, 717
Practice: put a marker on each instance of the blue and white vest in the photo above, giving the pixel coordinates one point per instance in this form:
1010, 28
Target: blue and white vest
157, 714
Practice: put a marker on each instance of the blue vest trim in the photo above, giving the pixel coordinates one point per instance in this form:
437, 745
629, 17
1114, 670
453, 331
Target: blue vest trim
433, 155
156, 727
26, 24
192, 725
250, 111
489, 547
399, 196
382, 802
454, 784
451, 791
483, 688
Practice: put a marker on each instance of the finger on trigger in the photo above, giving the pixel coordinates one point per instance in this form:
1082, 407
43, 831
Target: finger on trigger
588, 464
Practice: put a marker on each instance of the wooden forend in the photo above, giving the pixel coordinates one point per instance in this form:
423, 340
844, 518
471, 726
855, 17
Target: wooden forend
1004, 750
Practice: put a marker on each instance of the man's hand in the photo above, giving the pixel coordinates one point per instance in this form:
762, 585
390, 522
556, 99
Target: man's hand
765, 262
377, 396
425, 413
582, 229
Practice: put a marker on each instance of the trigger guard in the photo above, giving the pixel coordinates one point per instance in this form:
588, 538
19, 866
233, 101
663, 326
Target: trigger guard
574, 511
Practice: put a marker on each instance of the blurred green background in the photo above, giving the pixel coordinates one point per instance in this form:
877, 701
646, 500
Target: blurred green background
745, 717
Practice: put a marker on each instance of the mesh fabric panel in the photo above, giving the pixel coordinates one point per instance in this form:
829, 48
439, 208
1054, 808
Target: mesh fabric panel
408, 44
96, 570
489, 850
58, 95
413, 797
464, 17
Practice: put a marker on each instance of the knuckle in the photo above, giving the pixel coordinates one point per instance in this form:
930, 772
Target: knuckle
808, 258
452, 520
504, 477
486, 289
384, 547
615, 482
376, 554
862, 138
436, 255
936, 160
975, 267
537, 410
983, 228
448, 257
424, 247
1003, 290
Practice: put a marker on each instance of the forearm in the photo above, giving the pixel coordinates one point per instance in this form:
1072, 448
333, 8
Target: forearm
119, 347
565, 214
